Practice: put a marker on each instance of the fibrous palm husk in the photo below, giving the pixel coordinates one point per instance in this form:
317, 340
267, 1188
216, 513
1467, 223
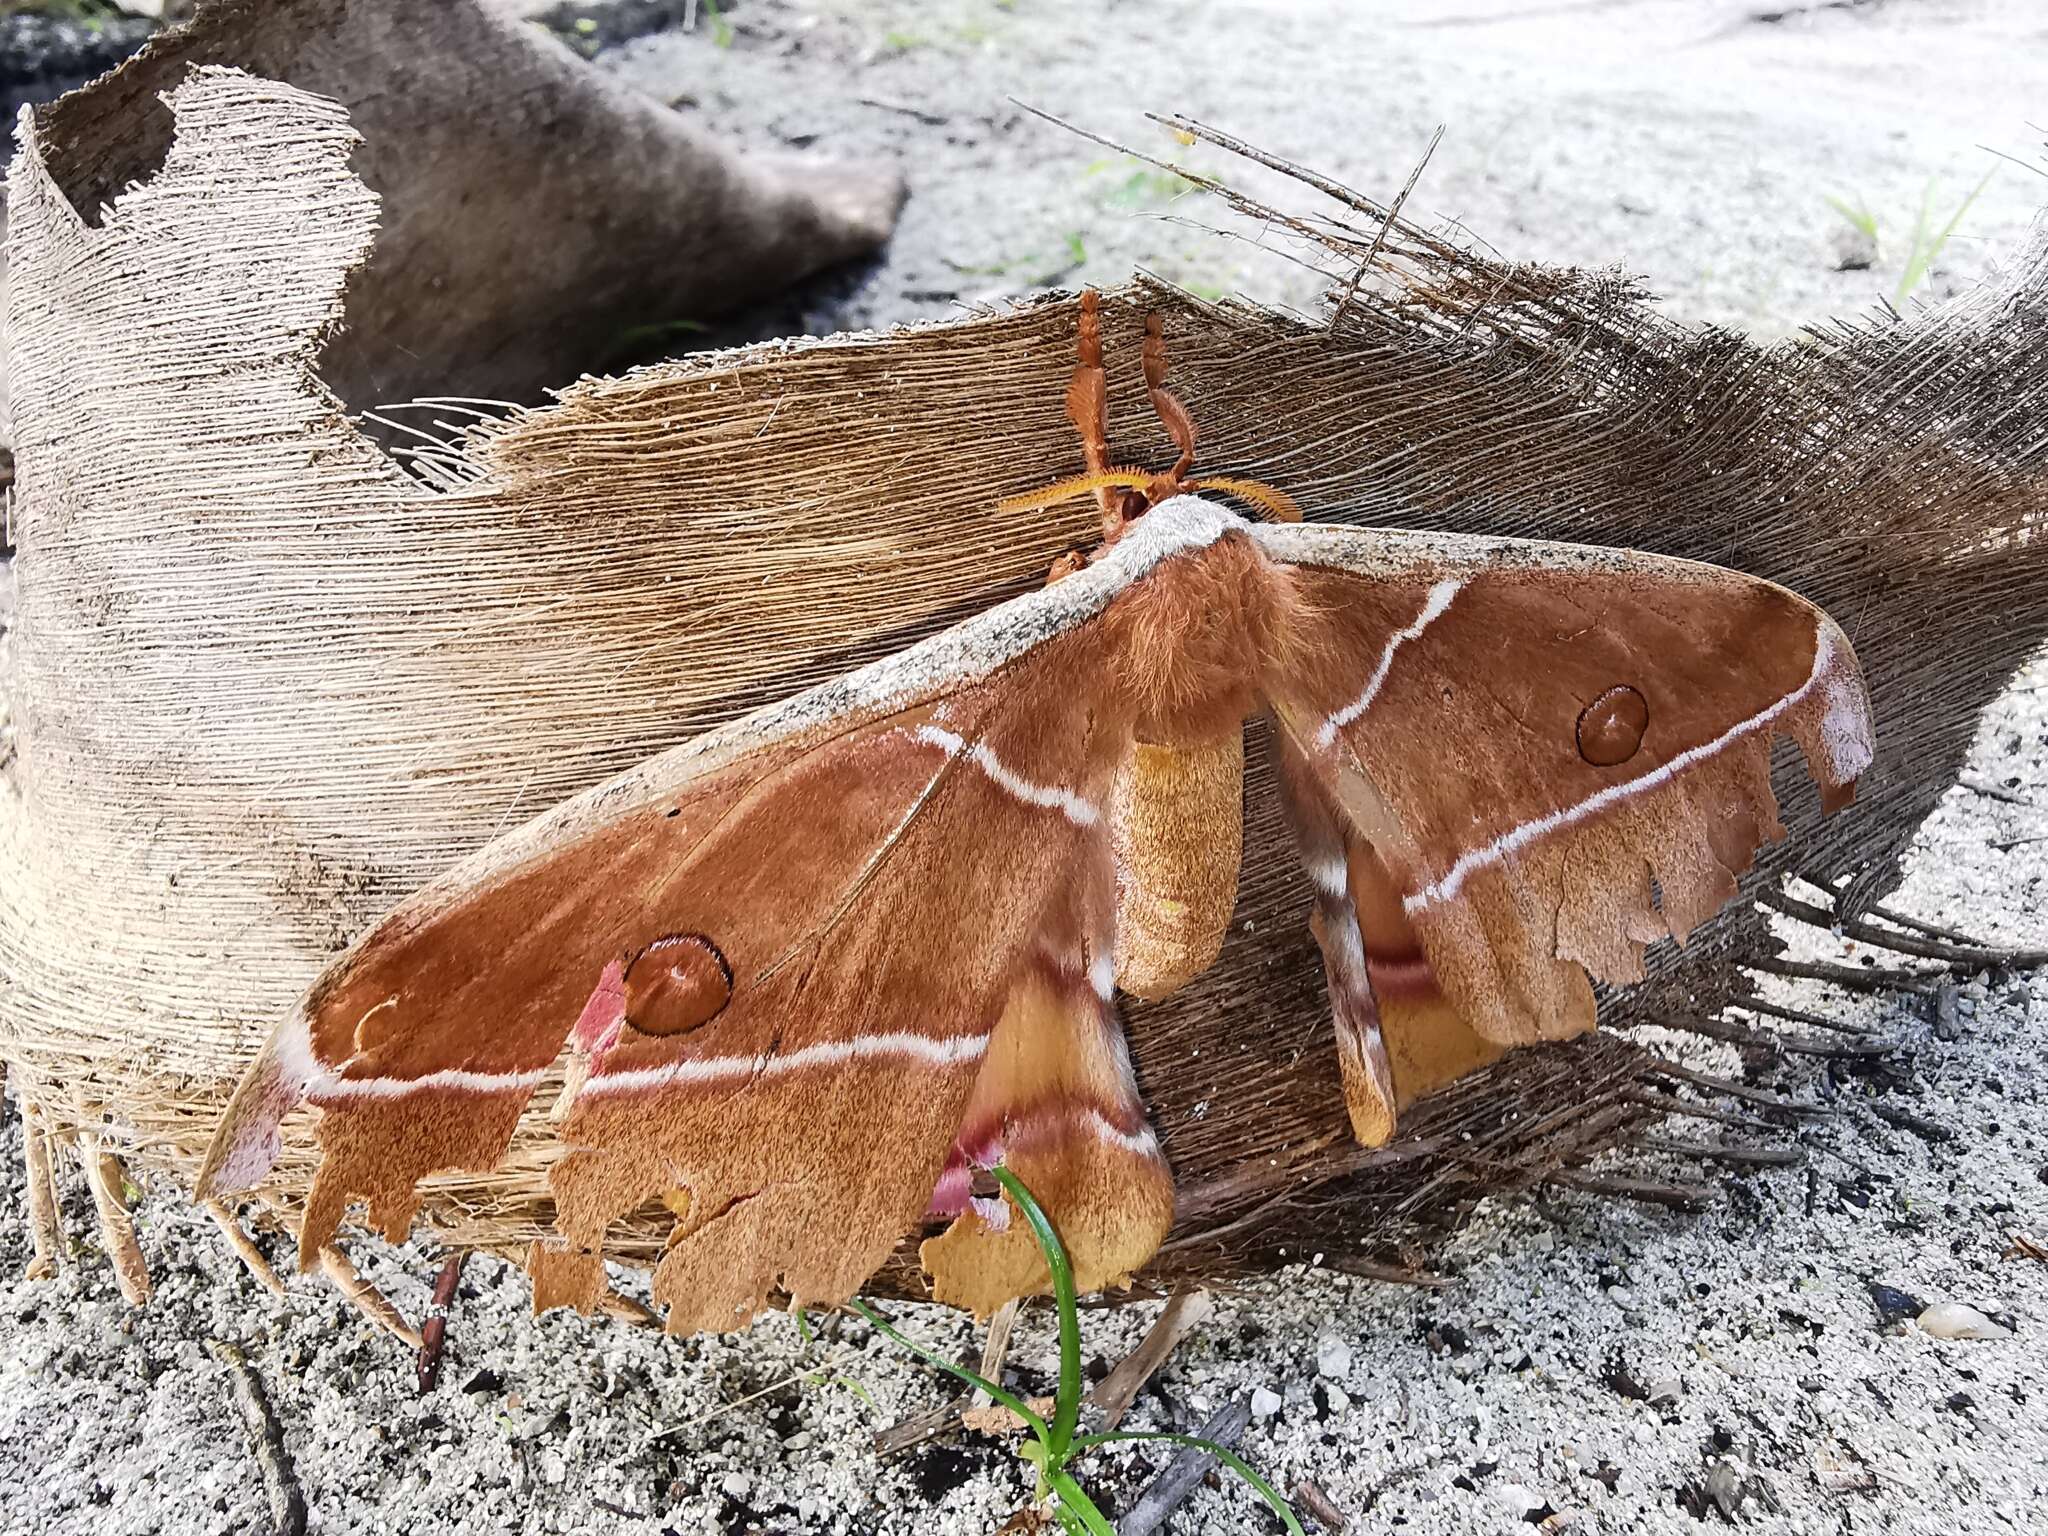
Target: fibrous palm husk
268, 682
529, 202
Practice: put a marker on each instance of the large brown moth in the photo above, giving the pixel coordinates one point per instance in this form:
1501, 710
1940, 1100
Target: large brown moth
815, 968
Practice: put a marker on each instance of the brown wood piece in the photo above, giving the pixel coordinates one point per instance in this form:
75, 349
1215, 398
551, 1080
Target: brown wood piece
1317, 1503
266, 1438
1184, 1311
434, 1331
1801, 1016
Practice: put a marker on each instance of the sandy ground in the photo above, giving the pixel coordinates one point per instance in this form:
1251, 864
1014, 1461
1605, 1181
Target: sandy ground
1608, 1368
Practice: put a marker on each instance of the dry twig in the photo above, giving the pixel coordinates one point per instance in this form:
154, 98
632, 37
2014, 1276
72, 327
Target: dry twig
266, 1437
1316, 1502
1850, 978
434, 1328
1184, 1310
1185, 1472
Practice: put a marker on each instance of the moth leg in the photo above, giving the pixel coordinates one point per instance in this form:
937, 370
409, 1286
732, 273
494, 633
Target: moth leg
1180, 426
1055, 1102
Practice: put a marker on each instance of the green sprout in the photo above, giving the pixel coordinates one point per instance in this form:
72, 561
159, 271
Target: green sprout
1927, 245
1858, 217
721, 29
1054, 1445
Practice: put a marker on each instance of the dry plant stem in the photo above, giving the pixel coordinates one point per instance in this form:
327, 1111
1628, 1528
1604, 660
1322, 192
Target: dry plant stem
1679, 1197
1316, 1502
45, 1224
434, 1331
104, 1176
266, 1437
1990, 791
1876, 979
365, 1297
1742, 1091
1742, 1034
995, 1349
245, 1247
1926, 1130
1701, 1151
1802, 1016
1185, 1472
1967, 956
1920, 925
1386, 227
1184, 1310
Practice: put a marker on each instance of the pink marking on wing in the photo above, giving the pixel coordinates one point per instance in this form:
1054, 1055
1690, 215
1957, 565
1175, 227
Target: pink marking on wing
597, 1028
1400, 978
950, 1196
994, 1212
258, 1138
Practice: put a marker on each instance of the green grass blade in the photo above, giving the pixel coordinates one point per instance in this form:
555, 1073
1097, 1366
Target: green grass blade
1949, 228
1066, 1412
1224, 1454
1072, 1497
1854, 214
1016, 1405
1927, 245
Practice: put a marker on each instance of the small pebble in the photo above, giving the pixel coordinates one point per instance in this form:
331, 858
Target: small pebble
1519, 1498
736, 1485
1265, 1403
1336, 1397
1954, 1320
1893, 1305
1333, 1358
1665, 1389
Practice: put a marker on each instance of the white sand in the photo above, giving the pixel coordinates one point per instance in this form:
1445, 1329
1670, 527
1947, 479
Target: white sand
1669, 136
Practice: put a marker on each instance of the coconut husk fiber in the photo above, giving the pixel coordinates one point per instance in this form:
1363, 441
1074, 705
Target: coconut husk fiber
529, 202
267, 681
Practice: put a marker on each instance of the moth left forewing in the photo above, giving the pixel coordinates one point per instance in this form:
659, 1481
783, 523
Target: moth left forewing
1527, 735
839, 900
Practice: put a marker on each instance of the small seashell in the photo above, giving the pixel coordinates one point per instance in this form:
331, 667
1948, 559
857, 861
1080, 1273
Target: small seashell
1953, 1320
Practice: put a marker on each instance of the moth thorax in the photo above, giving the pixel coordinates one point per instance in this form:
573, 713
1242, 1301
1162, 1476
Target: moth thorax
1177, 827
1191, 643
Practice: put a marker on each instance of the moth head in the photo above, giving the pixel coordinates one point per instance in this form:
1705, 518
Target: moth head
1125, 494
